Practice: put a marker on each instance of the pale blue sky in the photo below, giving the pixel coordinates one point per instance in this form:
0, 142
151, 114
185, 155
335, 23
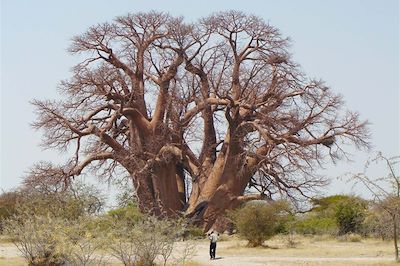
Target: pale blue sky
352, 44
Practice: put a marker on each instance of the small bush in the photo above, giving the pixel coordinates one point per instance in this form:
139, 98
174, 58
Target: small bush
8, 205
129, 214
258, 222
193, 232
84, 239
290, 241
46, 240
142, 243
39, 239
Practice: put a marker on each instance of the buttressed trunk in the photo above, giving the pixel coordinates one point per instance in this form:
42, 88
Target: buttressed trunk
160, 186
218, 194
220, 188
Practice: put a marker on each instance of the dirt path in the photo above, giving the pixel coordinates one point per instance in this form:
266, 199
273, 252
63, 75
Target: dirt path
283, 261
230, 253
286, 261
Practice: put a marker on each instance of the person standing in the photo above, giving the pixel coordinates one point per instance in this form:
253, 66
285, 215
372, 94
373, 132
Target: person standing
213, 236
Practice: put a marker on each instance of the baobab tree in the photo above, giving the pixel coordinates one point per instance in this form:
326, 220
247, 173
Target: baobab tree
195, 113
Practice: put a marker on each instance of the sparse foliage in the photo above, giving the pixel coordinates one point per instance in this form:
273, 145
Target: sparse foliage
39, 239
142, 243
386, 192
9, 202
187, 252
77, 200
47, 240
85, 242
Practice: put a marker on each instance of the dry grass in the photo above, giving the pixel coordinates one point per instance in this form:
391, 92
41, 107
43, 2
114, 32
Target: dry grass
312, 251
15, 261
5, 239
312, 246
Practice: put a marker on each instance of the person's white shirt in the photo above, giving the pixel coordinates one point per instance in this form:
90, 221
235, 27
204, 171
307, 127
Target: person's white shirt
213, 237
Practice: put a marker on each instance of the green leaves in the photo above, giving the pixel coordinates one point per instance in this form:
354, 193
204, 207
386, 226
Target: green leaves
259, 222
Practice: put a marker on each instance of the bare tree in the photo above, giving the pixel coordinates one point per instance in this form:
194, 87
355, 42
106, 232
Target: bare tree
195, 113
386, 193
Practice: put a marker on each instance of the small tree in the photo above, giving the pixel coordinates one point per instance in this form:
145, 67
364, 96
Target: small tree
378, 223
43, 196
84, 239
349, 215
386, 192
336, 214
258, 221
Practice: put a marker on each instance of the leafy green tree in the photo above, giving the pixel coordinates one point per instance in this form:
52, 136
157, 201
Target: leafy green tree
333, 214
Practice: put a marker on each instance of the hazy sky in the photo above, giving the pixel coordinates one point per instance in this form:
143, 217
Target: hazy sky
353, 45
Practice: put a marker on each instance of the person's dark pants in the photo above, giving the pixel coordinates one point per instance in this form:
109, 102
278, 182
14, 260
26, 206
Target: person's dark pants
213, 246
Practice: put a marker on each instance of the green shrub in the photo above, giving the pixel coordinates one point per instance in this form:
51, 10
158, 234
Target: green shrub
315, 225
192, 232
349, 215
338, 214
257, 222
129, 214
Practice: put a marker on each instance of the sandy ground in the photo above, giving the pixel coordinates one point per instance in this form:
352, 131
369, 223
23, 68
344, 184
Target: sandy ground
235, 253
